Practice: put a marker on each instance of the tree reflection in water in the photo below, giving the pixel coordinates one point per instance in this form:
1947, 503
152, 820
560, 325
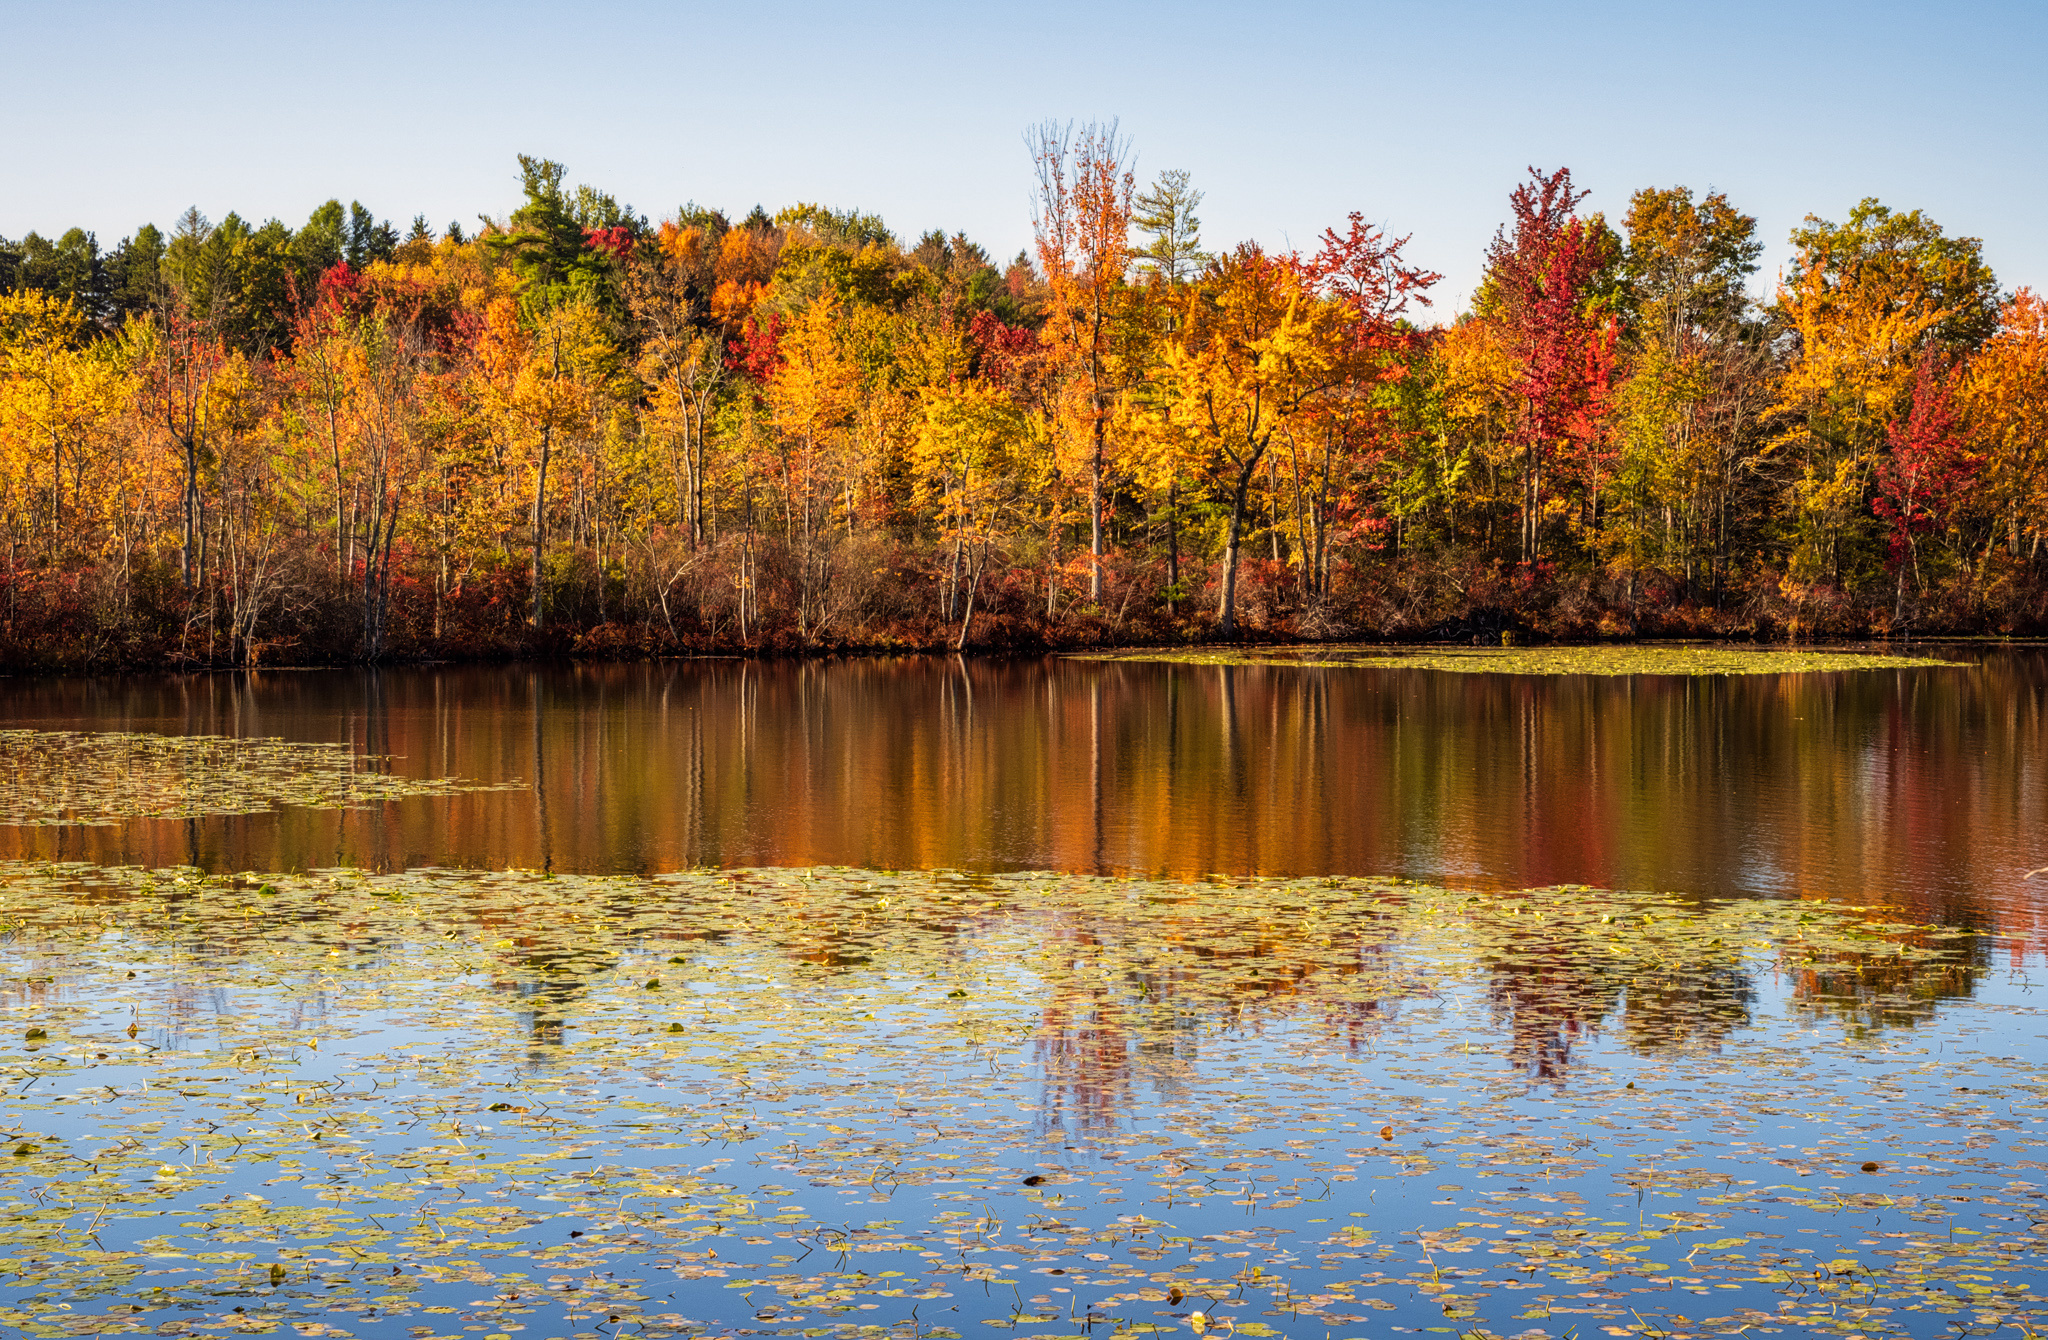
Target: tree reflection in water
1919, 790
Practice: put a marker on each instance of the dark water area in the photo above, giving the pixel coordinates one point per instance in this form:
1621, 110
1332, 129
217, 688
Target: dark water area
1922, 789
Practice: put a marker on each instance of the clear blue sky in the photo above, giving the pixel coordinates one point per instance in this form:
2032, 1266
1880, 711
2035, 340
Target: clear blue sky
1288, 115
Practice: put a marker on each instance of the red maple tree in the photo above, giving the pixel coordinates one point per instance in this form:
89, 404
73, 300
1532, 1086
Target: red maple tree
1928, 469
757, 349
1365, 272
1002, 351
1542, 277
616, 242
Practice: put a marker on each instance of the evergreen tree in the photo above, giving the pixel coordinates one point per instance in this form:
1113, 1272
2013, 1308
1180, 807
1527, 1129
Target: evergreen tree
1166, 215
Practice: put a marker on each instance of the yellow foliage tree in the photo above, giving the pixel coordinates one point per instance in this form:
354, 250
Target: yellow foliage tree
540, 384
1852, 375
1082, 226
811, 403
57, 402
1253, 350
2006, 397
972, 456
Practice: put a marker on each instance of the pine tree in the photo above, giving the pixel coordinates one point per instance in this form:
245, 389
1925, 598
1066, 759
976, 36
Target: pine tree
1166, 214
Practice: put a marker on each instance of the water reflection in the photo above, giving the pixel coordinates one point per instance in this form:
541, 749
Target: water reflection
1878, 993
1923, 789
1177, 1058
1109, 1045
1548, 996
1120, 981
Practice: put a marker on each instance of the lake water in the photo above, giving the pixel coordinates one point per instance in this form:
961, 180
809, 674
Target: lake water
1923, 789
928, 997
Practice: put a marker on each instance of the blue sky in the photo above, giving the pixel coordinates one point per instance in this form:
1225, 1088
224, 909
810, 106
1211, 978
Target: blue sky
1288, 115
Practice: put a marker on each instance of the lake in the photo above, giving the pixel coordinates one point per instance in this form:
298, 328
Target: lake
1920, 788
914, 996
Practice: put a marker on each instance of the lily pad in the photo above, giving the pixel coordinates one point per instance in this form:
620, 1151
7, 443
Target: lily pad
1628, 659
426, 1101
106, 777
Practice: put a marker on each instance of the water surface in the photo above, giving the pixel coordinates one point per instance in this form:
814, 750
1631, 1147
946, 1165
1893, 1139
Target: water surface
1156, 1032
1924, 788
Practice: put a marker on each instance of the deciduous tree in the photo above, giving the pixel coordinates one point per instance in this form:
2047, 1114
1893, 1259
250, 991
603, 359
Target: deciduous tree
1082, 224
1542, 288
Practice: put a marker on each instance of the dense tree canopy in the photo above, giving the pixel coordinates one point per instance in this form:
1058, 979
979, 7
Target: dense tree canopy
576, 429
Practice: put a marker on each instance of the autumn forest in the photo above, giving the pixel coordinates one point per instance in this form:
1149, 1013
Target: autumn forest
574, 430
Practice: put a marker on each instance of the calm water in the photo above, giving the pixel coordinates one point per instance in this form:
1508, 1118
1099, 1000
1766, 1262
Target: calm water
547, 1088
1923, 789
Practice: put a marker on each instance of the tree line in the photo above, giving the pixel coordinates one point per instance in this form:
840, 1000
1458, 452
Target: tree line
575, 430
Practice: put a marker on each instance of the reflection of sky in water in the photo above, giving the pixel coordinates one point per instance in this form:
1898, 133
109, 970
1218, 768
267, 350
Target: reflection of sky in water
1181, 1139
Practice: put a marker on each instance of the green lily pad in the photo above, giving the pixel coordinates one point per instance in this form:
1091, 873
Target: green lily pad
106, 777
423, 1101
1628, 659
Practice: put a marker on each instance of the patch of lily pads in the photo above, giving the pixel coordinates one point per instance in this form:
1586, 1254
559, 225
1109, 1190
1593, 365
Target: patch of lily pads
106, 777
854, 1103
1606, 660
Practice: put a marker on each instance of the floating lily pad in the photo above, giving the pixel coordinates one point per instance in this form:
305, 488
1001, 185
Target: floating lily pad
105, 777
1629, 659
414, 1103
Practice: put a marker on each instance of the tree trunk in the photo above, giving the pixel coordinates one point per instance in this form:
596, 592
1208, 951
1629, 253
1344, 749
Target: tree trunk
697, 482
967, 619
377, 578
56, 494
1095, 514
540, 494
187, 557
951, 586
1172, 545
1052, 573
1226, 610
340, 516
